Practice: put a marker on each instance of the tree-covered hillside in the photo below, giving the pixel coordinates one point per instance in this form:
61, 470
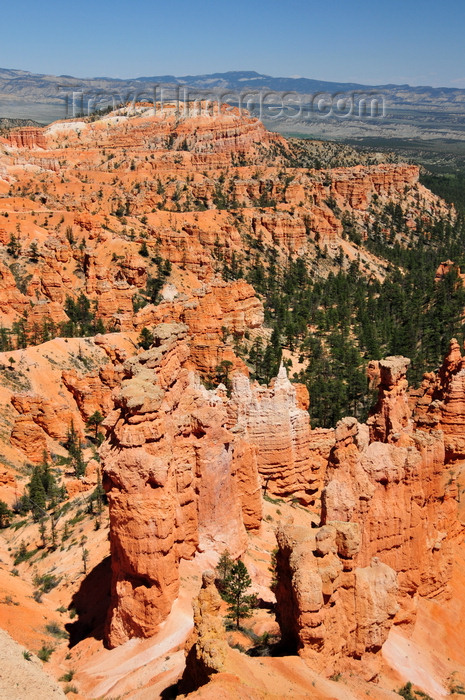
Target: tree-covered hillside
335, 324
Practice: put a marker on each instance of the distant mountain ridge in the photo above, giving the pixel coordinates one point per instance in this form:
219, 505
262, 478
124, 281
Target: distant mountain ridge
7, 123
26, 84
239, 79
421, 112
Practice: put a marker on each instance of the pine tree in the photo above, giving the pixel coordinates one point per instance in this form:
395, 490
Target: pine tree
37, 495
14, 246
236, 584
74, 446
85, 558
99, 492
223, 568
145, 339
33, 252
5, 514
5, 342
43, 532
94, 422
143, 250
273, 569
48, 480
222, 373
79, 464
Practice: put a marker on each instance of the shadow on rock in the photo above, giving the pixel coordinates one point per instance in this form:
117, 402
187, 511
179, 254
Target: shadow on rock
91, 603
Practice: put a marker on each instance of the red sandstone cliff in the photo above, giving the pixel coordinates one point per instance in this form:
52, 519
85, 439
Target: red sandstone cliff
439, 404
169, 475
182, 472
335, 612
271, 420
388, 523
185, 467
391, 417
27, 137
398, 493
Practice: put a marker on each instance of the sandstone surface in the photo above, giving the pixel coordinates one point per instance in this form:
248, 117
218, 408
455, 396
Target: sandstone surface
335, 613
183, 470
207, 648
141, 222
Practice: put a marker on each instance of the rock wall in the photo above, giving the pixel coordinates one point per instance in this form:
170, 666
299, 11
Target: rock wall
183, 469
271, 419
207, 648
390, 478
403, 501
27, 137
332, 611
390, 418
170, 477
439, 404
388, 523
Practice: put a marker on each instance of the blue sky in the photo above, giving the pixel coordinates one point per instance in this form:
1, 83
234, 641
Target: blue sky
420, 43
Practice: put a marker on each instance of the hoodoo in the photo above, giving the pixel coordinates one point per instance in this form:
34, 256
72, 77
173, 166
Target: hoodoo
190, 308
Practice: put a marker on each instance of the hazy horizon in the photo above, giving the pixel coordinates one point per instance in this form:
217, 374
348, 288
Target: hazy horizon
217, 72
415, 44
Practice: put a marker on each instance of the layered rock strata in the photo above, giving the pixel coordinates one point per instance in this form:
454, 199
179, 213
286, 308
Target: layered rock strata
182, 471
271, 419
198, 188
388, 523
439, 404
391, 416
333, 611
402, 501
389, 477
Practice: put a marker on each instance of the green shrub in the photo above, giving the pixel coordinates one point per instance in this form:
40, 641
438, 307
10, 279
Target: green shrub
457, 689
45, 652
5, 514
8, 600
67, 677
409, 694
275, 501
20, 523
22, 554
56, 630
46, 582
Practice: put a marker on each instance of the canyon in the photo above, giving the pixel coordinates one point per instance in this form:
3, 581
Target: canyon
118, 306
